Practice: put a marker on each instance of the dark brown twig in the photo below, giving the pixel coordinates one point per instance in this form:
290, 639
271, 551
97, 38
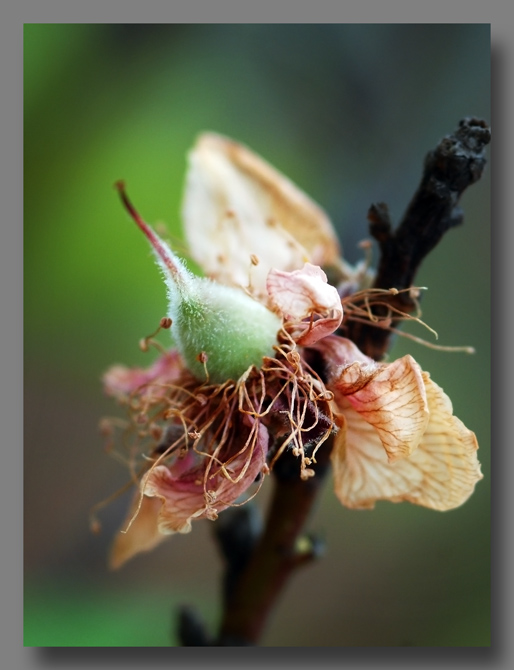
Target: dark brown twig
277, 554
456, 163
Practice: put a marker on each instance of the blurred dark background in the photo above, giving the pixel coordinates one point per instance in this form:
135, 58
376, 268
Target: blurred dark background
348, 112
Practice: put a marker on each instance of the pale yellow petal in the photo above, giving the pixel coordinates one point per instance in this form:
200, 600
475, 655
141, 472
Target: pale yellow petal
239, 210
447, 456
391, 398
362, 472
142, 535
440, 474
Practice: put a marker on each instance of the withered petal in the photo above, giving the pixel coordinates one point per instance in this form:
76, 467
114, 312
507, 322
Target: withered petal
238, 209
142, 535
303, 293
185, 496
447, 455
391, 397
440, 474
120, 381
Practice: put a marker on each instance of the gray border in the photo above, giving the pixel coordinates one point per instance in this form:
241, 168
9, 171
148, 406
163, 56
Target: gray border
11, 35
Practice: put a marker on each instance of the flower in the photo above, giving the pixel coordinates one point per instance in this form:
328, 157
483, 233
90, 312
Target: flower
260, 366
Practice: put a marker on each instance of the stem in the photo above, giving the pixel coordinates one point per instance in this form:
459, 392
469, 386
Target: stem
456, 163
277, 555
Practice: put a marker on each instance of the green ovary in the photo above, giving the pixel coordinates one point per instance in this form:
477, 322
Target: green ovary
232, 329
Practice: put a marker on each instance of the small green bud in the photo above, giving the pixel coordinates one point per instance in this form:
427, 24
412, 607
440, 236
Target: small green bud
217, 328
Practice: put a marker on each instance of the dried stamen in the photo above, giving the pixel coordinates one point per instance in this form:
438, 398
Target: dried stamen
221, 423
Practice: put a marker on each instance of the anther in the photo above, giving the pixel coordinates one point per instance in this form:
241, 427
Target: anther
156, 432
211, 514
95, 526
106, 428
203, 358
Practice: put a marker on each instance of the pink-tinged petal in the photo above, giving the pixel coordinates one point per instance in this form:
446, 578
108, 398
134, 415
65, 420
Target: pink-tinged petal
299, 293
172, 496
338, 351
440, 474
142, 535
121, 381
238, 208
391, 398
304, 293
184, 496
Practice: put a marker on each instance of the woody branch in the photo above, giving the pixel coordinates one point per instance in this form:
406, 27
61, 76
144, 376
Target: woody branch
456, 163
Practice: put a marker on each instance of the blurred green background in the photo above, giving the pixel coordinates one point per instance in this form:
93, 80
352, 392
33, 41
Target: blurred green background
348, 112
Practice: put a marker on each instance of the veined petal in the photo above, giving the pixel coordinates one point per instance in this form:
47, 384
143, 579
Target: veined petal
238, 209
359, 462
304, 293
120, 381
440, 474
391, 398
447, 455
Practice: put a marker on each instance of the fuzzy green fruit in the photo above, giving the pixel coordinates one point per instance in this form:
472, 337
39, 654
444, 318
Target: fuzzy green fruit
232, 329
217, 328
